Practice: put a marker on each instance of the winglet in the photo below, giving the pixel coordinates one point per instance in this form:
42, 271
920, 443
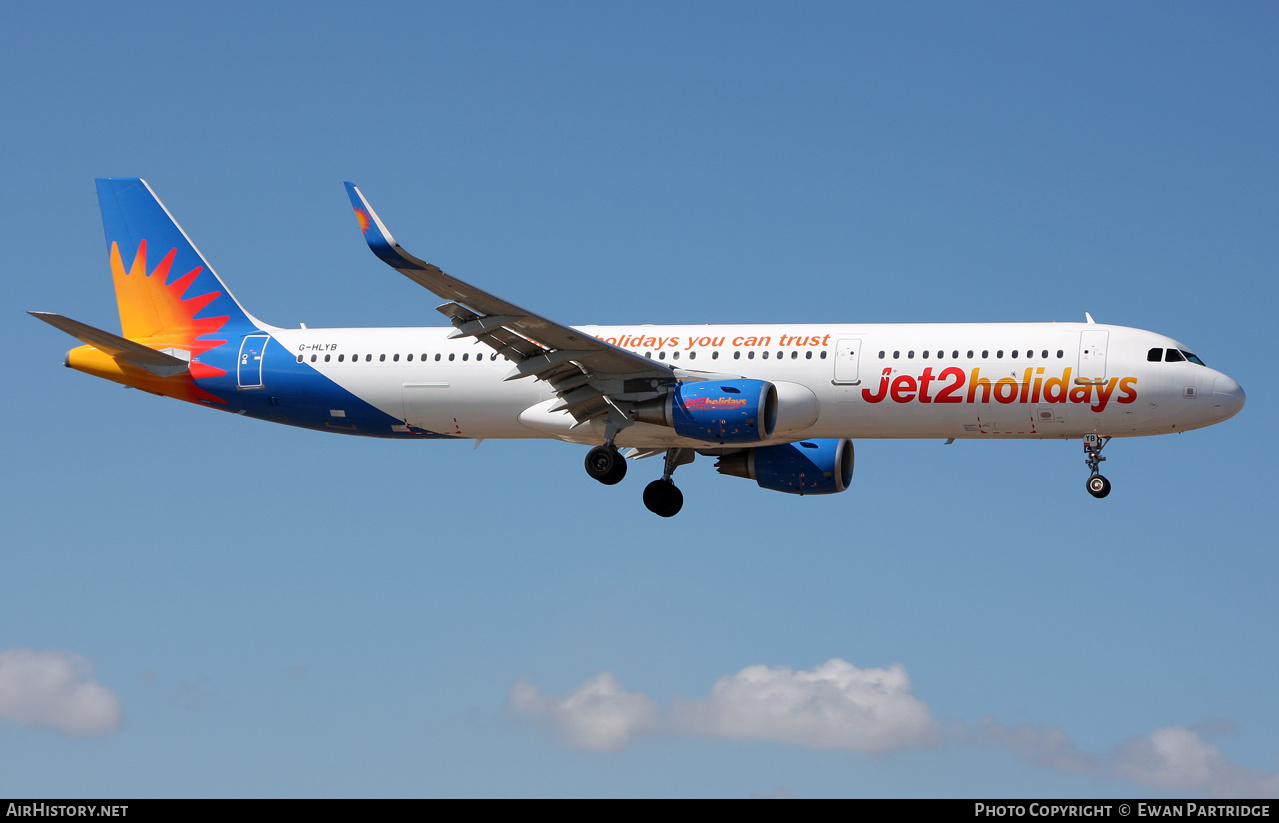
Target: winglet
377, 236
1088, 318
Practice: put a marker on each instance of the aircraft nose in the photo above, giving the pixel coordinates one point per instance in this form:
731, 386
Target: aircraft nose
1227, 396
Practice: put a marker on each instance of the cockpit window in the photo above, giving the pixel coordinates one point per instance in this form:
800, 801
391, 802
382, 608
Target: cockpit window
1194, 359
1155, 355
1174, 356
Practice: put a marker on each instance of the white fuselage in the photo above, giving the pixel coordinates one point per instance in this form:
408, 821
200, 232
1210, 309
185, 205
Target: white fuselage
962, 380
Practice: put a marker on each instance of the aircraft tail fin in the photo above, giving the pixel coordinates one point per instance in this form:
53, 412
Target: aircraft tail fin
164, 287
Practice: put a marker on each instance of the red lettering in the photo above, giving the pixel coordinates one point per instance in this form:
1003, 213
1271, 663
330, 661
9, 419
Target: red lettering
924, 380
1127, 393
978, 382
903, 389
1103, 394
883, 389
1056, 388
947, 394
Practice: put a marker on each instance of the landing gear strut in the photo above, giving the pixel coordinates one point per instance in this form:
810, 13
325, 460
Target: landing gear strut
1098, 486
603, 462
662, 497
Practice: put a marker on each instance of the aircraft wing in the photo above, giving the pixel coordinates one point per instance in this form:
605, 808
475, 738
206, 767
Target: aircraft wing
588, 374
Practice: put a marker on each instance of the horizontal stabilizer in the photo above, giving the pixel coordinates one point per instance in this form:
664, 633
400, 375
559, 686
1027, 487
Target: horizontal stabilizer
156, 362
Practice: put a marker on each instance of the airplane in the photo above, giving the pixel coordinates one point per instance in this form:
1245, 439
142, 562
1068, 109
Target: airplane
779, 404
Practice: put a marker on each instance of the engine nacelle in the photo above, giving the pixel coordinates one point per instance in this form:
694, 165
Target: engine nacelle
805, 467
716, 411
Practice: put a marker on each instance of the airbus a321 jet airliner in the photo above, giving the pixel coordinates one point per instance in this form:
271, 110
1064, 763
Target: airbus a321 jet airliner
779, 404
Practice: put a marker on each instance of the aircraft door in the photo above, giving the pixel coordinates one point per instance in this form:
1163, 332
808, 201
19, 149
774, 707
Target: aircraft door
432, 407
847, 354
1092, 355
249, 368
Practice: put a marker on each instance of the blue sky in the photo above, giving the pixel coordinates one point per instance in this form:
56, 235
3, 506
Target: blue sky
193, 604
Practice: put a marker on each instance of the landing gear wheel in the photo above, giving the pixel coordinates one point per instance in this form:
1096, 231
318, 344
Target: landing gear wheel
663, 498
605, 465
1098, 486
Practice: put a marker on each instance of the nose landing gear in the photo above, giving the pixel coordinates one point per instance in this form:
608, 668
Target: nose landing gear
1098, 486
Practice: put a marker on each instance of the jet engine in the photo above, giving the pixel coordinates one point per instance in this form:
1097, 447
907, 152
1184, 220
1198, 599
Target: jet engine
716, 411
804, 467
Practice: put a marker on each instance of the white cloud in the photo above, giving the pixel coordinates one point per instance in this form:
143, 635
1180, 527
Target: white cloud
1177, 758
56, 690
835, 705
1045, 746
599, 714
839, 706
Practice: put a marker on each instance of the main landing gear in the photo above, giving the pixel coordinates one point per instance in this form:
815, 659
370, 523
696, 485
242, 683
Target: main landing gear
603, 462
662, 497
605, 465
1098, 486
